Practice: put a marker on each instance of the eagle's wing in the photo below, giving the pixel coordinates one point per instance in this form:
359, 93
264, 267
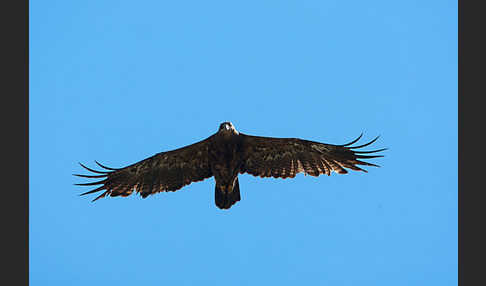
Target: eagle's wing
285, 157
166, 171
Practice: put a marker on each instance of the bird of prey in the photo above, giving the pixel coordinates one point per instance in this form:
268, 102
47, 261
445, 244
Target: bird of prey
224, 155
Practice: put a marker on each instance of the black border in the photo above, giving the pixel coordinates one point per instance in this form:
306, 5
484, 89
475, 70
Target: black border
470, 117
15, 134
15, 117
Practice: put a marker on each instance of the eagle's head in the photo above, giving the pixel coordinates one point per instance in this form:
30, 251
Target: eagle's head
227, 128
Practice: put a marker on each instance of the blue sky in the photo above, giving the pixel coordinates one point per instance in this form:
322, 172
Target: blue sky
118, 81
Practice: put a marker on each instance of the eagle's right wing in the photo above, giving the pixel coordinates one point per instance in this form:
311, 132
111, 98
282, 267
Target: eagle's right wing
286, 157
166, 171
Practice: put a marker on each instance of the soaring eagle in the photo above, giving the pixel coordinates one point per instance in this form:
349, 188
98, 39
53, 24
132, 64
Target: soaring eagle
224, 155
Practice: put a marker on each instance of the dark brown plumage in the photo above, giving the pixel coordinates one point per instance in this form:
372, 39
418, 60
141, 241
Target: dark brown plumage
224, 155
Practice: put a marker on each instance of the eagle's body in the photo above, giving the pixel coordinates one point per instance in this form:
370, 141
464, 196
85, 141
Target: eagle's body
224, 155
225, 158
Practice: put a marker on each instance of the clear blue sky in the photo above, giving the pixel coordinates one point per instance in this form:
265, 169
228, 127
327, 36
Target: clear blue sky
118, 81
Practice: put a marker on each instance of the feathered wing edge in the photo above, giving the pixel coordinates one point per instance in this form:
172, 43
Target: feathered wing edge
352, 162
104, 175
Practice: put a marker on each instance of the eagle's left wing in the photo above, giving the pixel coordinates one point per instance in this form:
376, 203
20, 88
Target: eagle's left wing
166, 171
286, 157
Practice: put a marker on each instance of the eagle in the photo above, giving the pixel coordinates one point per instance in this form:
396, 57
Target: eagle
225, 155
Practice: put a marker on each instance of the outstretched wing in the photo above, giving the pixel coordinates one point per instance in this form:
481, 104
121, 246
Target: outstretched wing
286, 157
166, 171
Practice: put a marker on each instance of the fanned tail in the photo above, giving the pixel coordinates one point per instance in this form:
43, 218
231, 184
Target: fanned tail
226, 198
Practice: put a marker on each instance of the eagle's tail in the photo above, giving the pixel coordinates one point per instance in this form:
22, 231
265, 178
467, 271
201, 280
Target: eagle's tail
225, 198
